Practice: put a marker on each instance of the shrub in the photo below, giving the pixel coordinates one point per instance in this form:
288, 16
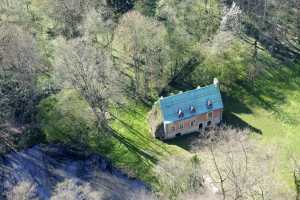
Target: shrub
67, 118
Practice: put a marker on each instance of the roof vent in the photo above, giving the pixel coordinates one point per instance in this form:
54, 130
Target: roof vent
209, 104
180, 113
192, 109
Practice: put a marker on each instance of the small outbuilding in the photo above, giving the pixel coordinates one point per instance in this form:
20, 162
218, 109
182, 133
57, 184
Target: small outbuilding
187, 112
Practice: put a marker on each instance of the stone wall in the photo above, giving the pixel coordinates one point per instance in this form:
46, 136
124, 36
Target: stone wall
155, 120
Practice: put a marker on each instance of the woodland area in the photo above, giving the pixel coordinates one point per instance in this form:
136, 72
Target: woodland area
86, 73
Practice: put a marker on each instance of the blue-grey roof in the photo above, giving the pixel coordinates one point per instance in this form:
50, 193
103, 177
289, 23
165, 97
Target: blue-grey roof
197, 98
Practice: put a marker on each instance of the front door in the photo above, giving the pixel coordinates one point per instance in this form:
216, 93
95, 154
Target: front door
200, 126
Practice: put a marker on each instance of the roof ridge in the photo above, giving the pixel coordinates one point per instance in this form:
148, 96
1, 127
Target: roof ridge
188, 91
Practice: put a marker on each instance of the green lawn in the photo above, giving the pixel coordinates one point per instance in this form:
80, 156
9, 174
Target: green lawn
272, 109
139, 151
67, 118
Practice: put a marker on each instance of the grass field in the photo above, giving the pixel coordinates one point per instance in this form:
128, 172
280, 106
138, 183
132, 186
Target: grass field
272, 109
139, 151
132, 148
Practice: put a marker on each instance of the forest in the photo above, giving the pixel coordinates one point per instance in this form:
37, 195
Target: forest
86, 73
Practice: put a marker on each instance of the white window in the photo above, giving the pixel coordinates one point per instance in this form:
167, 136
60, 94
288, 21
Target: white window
181, 126
193, 123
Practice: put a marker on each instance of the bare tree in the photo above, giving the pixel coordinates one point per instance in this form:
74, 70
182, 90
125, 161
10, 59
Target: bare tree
297, 181
140, 44
237, 165
98, 25
231, 19
71, 189
179, 177
15, 11
296, 173
221, 177
298, 20
91, 72
19, 68
68, 14
23, 191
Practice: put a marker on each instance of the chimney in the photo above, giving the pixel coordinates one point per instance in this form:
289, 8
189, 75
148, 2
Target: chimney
198, 87
216, 82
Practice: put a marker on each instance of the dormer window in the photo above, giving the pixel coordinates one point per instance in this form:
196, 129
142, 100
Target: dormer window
209, 104
192, 109
180, 113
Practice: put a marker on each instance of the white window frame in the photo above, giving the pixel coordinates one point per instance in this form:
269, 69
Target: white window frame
210, 118
181, 125
193, 123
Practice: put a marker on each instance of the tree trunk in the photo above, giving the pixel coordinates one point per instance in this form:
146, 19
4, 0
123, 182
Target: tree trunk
220, 176
298, 20
297, 182
253, 73
146, 82
137, 78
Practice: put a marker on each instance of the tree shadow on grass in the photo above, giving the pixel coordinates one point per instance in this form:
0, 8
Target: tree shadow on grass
140, 138
278, 49
270, 88
135, 149
142, 158
147, 143
233, 106
184, 141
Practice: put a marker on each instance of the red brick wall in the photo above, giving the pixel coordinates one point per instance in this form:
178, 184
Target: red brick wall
199, 118
187, 123
202, 117
217, 113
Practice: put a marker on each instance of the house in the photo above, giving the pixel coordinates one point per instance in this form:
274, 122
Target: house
188, 112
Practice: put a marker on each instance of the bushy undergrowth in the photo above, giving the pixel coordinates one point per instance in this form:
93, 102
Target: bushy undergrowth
67, 118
